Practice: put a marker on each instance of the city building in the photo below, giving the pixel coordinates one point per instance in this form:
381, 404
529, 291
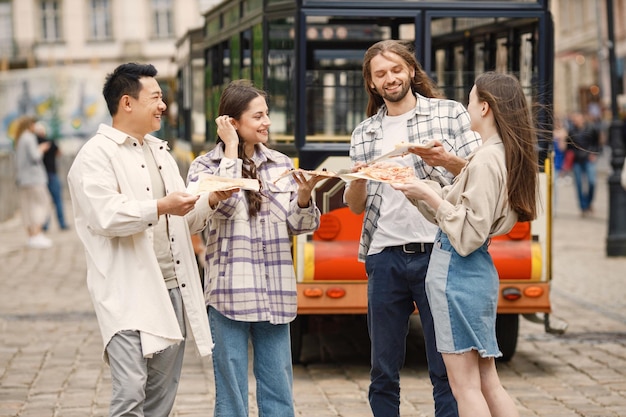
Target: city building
582, 76
93, 33
55, 54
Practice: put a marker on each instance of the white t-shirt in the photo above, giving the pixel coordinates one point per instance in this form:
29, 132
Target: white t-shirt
161, 235
400, 221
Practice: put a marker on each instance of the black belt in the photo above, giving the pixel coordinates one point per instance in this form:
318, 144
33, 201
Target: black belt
415, 247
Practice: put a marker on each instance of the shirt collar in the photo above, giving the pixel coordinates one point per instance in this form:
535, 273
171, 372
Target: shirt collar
120, 137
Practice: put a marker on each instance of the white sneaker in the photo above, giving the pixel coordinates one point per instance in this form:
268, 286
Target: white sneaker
39, 242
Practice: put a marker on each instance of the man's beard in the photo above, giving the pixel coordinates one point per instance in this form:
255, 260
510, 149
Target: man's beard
398, 96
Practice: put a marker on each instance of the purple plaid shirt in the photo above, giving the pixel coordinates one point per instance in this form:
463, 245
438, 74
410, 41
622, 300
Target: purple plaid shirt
249, 273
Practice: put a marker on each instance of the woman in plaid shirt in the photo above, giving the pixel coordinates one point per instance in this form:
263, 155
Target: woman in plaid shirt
250, 283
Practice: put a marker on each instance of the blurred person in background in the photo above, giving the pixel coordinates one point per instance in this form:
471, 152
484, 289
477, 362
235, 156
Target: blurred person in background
32, 182
584, 142
54, 183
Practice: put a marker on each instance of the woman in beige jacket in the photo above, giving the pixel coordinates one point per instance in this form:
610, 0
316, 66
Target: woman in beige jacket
496, 188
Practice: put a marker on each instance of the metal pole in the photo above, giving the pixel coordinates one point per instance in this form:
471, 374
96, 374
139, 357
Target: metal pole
616, 239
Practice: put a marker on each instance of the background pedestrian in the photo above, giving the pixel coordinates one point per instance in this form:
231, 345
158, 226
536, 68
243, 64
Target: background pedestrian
31, 180
54, 183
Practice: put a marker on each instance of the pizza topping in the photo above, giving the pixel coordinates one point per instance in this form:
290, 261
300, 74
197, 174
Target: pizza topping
389, 173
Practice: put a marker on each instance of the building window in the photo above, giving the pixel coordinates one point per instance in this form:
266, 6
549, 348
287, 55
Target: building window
6, 30
162, 12
100, 19
50, 20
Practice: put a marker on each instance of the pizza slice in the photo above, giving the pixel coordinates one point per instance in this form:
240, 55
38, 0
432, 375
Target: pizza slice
405, 146
402, 149
211, 183
388, 173
323, 173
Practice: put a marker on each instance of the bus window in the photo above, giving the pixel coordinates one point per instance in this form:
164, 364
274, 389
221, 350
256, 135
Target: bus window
257, 55
335, 95
280, 79
466, 47
246, 55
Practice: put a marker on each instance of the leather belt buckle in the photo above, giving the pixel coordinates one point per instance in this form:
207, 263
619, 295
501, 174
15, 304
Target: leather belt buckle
413, 248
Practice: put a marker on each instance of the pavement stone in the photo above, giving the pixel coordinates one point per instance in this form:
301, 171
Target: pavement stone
50, 345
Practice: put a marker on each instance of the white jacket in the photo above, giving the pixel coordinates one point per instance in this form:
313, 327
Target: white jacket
114, 214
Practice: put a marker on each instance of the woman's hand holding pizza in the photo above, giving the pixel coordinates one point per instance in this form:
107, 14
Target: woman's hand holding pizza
416, 189
437, 156
434, 156
306, 186
217, 196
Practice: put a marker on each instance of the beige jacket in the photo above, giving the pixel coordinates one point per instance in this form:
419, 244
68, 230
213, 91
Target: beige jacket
115, 214
475, 206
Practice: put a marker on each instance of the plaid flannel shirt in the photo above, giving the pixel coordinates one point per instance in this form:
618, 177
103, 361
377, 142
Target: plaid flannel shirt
444, 120
249, 273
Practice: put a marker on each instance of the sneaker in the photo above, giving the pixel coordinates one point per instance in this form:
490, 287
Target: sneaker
39, 242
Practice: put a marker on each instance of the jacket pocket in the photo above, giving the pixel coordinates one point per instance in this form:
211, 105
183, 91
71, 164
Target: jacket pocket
279, 200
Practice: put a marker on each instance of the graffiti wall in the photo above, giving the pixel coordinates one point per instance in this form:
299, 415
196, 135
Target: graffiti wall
68, 101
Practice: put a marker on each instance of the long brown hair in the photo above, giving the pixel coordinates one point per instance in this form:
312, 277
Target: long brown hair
24, 123
511, 111
420, 83
235, 100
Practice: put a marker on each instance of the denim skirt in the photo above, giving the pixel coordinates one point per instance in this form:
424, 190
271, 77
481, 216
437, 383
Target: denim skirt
463, 296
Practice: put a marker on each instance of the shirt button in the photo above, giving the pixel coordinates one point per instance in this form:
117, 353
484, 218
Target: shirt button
149, 224
134, 144
182, 285
147, 188
143, 166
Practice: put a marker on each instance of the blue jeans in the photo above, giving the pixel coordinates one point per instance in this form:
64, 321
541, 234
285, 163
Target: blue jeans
271, 347
56, 191
585, 192
395, 281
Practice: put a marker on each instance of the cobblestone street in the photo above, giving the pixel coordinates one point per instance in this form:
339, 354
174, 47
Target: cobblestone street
50, 345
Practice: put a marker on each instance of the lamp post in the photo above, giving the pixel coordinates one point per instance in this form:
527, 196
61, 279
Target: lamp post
616, 239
